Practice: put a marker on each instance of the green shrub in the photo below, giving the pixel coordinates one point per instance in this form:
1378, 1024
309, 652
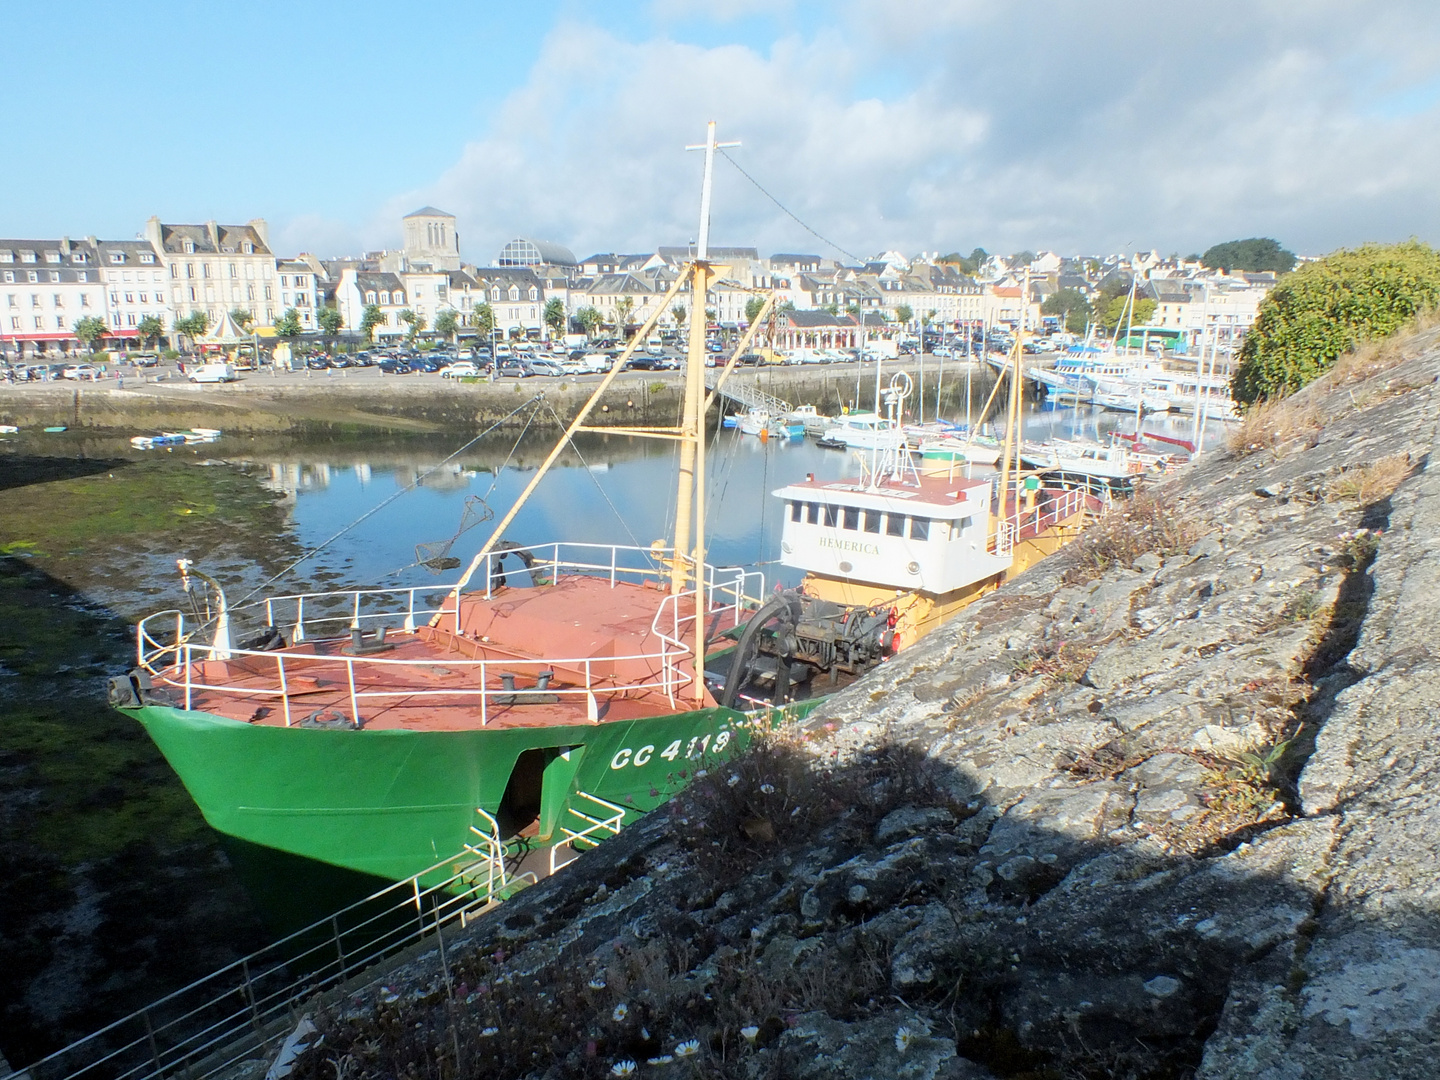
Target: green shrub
1326, 308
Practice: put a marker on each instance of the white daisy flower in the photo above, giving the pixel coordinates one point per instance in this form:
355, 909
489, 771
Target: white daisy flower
597, 983
767, 789
903, 1036
688, 1047
622, 1068
620, 1011
750, 1033
663, 1059
387, 995
489, 1033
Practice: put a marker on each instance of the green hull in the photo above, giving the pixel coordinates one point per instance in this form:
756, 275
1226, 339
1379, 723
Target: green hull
395, 803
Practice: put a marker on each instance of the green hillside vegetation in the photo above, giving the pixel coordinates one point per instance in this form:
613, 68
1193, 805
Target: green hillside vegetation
1328, 307
1258, 254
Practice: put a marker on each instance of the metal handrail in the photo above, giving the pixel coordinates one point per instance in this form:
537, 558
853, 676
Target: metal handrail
208, 1026
555, 556
182, 676
174, 663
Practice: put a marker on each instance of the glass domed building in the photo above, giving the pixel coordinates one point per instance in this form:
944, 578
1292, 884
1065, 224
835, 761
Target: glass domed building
522, 252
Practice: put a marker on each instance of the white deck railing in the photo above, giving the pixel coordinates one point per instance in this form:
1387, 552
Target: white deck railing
489, 683
1035, 519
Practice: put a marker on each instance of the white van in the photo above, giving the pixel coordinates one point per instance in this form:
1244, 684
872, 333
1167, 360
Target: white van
654, 346
213, 373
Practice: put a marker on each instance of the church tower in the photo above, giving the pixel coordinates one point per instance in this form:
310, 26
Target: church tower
430, 240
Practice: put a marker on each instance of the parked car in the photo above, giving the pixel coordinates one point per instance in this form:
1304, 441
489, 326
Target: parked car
422, 363
541, 366
512, 366
461, 369
80, 371
394, 367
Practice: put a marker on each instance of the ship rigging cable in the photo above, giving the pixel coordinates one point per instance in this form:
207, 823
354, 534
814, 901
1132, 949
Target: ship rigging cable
598, 486
386, 502
786, 210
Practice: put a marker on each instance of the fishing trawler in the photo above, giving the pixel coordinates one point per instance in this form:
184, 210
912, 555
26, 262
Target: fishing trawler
892, 553
544, 702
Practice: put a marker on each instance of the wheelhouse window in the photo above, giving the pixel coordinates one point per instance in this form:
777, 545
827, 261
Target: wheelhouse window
812, 513
852, 517
872, 521
832, 515
795, 510
895, 525
919, 528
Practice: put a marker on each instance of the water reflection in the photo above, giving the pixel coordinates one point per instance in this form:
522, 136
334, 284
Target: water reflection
605, 489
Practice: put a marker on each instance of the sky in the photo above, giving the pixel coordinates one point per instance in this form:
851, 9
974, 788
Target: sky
909, 125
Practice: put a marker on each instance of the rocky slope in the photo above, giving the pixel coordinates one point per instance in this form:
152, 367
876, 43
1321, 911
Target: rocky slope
1177, 819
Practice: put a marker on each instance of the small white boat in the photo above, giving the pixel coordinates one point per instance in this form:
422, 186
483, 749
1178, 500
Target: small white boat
752, 423
210, 432
1079, 458
865, 431
952, 449
9, 429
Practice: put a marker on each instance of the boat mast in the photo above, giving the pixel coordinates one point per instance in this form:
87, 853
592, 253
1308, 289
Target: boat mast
690, 495
1012, 425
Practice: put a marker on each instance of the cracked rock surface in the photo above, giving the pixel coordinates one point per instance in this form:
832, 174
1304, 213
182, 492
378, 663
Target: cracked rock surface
1191, 825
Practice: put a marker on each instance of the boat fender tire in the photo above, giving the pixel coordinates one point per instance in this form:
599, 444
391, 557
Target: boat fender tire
510, 547
267, 640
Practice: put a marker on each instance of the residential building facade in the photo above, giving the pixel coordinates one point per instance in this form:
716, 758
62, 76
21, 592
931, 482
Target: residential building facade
216, 268
46, 287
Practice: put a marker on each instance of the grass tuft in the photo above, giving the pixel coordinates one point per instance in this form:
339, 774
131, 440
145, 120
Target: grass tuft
1271, 425
1370, 483
1127, 530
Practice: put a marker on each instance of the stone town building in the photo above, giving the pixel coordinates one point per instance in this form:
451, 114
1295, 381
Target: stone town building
46, 287
358, 289
135, 286
302, 288
516, 298
218, 268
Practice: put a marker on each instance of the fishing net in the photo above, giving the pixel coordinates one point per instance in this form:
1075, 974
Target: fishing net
435, 556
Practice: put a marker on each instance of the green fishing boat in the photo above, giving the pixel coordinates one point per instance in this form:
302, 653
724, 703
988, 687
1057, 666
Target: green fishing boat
536, 707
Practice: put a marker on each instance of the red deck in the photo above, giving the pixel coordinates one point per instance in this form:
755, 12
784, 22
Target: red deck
584, 629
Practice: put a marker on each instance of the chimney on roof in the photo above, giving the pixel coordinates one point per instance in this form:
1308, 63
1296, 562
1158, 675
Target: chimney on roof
65, 246
262, 230
212, 229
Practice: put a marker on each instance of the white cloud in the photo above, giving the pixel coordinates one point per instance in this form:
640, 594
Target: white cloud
920, 124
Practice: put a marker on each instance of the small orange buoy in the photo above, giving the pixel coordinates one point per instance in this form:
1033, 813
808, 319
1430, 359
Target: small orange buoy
764, 434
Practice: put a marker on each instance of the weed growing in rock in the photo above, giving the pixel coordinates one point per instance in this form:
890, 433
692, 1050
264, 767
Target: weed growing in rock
1149, 522
1270, 425
1066, 662
1104, 762
1358, 548
1370, 483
